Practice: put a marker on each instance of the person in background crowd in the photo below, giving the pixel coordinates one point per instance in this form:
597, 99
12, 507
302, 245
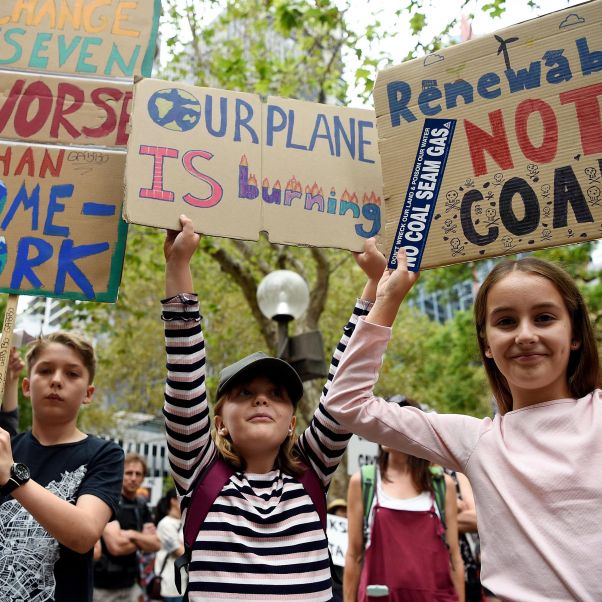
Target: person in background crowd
58, 485
338, 507
116, 573
171, 536
468, 537
403, 531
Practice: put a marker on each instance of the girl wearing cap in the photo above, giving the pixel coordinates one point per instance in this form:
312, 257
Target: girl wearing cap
262, 537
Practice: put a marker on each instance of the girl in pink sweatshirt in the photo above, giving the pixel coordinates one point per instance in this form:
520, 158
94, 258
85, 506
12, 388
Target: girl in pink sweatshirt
535, 468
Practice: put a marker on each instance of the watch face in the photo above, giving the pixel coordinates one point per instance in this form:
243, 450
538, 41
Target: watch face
21, 471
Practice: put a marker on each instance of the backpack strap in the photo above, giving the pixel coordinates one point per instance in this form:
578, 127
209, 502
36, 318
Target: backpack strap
439, 488
368, 484
208, 486
314, 488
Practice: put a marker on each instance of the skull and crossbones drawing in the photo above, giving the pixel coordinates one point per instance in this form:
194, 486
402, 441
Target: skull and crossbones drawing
456, 247
547, 210
545, 191
452, 201
592, 174
593, 192
546, 234
491, 217
498, 179
533, 171
448, 226
570, 233
508, 242
469, 183
489, 195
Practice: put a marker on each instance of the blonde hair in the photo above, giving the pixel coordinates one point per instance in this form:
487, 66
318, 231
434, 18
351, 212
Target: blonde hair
77, 343
287, 460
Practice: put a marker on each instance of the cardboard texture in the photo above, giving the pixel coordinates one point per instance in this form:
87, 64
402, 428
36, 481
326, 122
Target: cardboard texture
102, 38
66, 79
61, 232
494, 146
305, 173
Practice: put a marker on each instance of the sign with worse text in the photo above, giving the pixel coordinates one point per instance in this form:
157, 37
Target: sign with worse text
494, 146
66, 79
305, 173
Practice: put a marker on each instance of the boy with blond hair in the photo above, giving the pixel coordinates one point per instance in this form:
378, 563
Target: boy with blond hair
58, 486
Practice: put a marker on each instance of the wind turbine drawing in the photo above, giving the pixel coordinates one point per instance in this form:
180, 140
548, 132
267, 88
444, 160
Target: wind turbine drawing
504, 48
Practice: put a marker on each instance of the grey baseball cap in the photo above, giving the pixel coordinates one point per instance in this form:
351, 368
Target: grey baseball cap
260, 363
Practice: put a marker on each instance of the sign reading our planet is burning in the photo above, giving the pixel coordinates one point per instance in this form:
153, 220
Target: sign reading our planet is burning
494, 146
305, 173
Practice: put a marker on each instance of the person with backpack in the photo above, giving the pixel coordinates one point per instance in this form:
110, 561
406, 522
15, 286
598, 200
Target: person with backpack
402, 531
253, 495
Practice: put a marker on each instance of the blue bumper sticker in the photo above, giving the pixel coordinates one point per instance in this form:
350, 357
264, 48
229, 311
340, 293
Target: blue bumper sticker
423, 190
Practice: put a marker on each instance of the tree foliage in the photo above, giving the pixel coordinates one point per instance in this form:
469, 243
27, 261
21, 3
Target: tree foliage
291, 48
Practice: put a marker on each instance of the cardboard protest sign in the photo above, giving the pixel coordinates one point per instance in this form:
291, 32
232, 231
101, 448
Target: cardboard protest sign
66, 79
305, 173
49, 109
59, 235
108, 38
336, 532
494, 146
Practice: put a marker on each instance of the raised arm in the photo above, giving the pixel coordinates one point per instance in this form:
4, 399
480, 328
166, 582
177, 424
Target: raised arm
443, 439
324, 441
186, 411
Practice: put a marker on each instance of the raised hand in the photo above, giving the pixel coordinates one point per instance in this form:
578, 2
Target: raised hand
392, 288
372, 262
179, 247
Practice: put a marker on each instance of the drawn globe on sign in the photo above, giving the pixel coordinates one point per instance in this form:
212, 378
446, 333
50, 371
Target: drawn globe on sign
174, 109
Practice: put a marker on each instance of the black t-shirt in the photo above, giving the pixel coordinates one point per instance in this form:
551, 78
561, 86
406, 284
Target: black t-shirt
116, 572
9, 421
33, 565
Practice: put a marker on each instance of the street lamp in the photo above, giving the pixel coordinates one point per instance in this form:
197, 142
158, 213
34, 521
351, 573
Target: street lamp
283, 296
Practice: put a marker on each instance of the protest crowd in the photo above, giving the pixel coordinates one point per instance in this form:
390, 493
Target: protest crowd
453, 507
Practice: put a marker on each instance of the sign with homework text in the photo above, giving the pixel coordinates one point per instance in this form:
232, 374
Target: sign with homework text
305, 173
66, 76
494, 146
60, 236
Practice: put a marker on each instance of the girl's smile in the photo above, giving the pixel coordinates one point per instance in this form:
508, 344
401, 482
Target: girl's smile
528, 335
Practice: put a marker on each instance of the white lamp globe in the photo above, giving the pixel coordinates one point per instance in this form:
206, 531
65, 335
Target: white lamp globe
283, 295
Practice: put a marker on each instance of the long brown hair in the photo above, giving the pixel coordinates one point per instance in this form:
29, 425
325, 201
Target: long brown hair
419, 468
287, 459
583, 371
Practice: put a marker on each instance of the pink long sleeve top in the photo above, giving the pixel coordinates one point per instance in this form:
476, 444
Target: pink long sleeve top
536, 474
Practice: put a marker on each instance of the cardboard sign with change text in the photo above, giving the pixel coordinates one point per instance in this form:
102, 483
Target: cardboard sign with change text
494, 146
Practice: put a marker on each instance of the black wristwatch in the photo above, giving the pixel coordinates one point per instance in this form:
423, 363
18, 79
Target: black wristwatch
19, 475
